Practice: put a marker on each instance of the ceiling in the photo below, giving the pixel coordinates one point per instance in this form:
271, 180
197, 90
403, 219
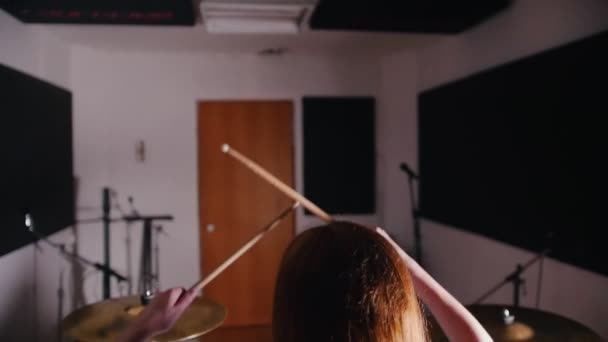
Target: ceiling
340, 26
145, 38
420, 16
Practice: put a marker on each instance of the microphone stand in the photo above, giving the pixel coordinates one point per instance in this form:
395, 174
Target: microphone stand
415, 212
147, 275
106, 204
106, 219
60, 295
515, 278
416, 218
61, 248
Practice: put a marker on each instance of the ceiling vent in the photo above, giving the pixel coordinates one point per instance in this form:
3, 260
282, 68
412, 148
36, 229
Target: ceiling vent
256, 16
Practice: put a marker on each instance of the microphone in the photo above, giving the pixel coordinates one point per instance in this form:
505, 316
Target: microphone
29, 224
408, 170
134, 211
548, 241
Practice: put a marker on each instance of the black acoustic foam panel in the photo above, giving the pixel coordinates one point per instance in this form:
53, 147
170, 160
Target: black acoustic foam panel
339, 153
36, 148
419, 16
518, 153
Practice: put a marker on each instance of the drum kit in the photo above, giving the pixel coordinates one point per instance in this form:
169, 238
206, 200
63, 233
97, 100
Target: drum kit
106, 320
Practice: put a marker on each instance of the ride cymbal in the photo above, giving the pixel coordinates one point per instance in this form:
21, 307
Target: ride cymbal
506, 323
105, 321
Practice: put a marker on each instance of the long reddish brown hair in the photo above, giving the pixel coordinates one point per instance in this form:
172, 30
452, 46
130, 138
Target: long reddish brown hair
344, 282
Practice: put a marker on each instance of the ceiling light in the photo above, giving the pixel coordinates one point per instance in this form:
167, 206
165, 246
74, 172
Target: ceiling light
255, 16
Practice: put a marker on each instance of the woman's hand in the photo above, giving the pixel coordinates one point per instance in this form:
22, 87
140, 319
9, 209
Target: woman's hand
160, 315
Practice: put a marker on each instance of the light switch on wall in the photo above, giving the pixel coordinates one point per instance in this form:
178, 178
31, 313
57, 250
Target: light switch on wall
140, 151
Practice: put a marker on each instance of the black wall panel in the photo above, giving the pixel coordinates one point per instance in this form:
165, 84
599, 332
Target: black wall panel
339, 153
518, 153
36, 149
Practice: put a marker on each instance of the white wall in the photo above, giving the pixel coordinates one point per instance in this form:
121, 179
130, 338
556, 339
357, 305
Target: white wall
397, 142
25, 272
19, 44
465, 263
120, 97
30, 49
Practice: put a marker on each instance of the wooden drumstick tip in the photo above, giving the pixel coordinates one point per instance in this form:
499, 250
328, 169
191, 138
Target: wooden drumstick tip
225, 148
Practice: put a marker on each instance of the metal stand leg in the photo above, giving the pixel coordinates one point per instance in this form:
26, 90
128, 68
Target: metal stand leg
106, 241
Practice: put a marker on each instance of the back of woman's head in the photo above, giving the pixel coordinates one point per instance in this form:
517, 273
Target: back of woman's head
344, 282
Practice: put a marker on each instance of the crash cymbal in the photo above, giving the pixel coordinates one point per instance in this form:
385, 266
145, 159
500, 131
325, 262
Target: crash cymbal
104, 321
509, 324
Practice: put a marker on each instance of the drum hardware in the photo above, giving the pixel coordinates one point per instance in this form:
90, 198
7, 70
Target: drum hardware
514, 278
148, 278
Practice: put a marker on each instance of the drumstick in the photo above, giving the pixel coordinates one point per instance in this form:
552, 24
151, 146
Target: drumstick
247, 246
277, 183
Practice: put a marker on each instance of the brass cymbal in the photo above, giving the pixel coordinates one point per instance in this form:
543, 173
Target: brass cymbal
104, 321
523, 324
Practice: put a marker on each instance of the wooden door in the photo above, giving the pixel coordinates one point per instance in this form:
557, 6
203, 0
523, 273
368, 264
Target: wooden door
234, 203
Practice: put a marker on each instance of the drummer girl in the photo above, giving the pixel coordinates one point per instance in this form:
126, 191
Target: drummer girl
341, 282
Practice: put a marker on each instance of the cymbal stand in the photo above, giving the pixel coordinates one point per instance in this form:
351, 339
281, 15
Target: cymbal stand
60, 296
156, 267
147, 276
415, 211
514, 278
146, 279
106, 204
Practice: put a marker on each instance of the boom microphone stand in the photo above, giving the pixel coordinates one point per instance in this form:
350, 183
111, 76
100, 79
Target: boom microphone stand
411, 175
61, 248
147, 275
105, 200
515, 278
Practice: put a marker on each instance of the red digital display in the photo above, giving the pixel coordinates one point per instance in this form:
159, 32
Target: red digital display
111, 12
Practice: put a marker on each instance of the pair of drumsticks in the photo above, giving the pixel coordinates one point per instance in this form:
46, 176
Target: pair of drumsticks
298, 198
